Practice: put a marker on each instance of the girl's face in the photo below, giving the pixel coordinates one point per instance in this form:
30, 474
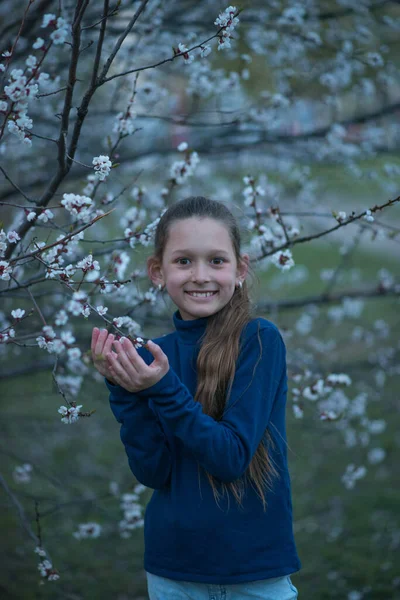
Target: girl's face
199, 256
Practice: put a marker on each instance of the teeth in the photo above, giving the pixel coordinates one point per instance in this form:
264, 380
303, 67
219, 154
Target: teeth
201, 294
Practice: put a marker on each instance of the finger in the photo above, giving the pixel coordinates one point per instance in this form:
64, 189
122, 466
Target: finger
133, 355
98, 349
124, 360
115, 366
95, 335
157, 352
108, 344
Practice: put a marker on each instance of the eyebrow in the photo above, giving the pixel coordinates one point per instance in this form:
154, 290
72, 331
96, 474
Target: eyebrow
188, 251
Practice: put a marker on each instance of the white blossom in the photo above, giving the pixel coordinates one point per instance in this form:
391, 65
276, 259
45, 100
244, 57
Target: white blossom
45, 216
13, 237
188, 58
78, 206
61, 317
376, 455
39, 44
48, 19
69, 415
102, 166
18, 313
22, 474
352, 474
87, 530
5, 270
283, 260
368, 216
88, 264
101, 310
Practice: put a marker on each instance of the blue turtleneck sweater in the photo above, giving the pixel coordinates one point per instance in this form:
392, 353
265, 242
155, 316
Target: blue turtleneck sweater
166, 436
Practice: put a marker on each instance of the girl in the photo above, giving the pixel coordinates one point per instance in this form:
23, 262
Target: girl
202, 416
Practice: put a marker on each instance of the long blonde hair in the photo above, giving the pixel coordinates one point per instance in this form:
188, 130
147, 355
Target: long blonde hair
219, 350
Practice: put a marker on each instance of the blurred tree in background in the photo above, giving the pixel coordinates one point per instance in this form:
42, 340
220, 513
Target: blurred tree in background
286, 111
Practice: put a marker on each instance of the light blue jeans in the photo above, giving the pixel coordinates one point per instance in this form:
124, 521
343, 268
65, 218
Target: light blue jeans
277, 588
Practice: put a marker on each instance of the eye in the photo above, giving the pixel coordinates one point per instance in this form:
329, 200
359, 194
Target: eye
223, 260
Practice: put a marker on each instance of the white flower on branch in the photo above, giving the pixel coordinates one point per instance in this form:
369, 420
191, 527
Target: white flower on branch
88, 264
3, 106
102, 166
31, 62
182, 169
124, 123
352, 474
61, 32
18, 313
297, 411
61, 318
5, 270
31, 216
228, 21
46, 570
368, 216
87, 530
22, 474
46, 215
69, 415
49, 19
375, 60
74, 353
78, 206
205, 50
182, 147
101, 310
39, 44
86, 310
283, 260
13, 237
188, 58
339, 378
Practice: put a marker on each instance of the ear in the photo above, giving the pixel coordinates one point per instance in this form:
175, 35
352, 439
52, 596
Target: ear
243, 266
154, 271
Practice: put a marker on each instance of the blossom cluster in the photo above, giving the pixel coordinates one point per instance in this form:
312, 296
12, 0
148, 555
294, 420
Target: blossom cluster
5, 270
45, 566
352, 474
22, 473
228, 22
70, 414
181, 170
11, 237
87, 530
133, 512
19, 91
102, 166
42, 215
60, 26
133, 327
124, 122
78, 206
88, 264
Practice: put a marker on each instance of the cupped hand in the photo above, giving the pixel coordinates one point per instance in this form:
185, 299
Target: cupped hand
130, 371
101, 345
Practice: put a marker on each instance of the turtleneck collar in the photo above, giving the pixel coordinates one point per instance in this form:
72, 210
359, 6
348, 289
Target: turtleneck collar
190, 331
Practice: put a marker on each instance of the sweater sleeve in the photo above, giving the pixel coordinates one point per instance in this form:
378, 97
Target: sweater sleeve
146, 445
225, 448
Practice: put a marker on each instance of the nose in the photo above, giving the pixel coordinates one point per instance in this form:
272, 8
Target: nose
200, 273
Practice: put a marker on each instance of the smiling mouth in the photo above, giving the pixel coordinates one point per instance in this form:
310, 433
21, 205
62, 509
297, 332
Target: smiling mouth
201, 294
